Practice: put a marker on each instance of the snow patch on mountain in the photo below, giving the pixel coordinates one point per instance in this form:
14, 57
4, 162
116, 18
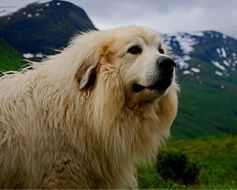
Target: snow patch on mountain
186, 43
223, 52
28, 55
182, 61
195, 70
199, 34
187, 72
39, 55
218, 65
218, 73
226, 63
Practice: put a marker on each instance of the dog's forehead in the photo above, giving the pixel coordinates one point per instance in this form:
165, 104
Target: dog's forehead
139, 34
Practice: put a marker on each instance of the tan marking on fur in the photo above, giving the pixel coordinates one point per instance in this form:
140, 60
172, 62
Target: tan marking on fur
107, 55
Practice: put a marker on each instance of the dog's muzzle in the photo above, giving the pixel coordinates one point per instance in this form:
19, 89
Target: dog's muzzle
165, 71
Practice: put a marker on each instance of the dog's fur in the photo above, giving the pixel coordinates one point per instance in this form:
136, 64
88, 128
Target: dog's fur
73, 121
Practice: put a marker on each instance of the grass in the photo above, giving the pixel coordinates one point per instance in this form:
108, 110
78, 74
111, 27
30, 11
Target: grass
9, 58
217, 157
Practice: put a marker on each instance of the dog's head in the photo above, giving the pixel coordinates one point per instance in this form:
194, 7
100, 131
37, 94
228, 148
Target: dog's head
132, 58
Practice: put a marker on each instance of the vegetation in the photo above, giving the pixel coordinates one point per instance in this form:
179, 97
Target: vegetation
9, 58
175, 166
216, 158
206, 108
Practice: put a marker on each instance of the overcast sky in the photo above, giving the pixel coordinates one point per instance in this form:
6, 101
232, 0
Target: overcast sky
166, 16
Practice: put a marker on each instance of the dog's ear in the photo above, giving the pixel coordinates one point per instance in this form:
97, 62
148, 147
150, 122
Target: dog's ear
86, 76
92, 56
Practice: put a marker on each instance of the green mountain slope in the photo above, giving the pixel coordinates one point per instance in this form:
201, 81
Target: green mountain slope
207, 74
9, 58
207, 108
216, 157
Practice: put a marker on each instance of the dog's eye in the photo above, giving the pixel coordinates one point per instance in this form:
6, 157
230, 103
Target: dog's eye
135, 50
161, 50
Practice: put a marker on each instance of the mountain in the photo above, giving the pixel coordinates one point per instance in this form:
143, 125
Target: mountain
207, 47
40, 28
10, 59
207, 74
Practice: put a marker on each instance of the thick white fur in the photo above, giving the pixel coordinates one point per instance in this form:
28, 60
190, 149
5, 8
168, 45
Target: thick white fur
55, 133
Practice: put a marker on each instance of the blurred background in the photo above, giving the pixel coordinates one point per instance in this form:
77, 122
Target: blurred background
202, 38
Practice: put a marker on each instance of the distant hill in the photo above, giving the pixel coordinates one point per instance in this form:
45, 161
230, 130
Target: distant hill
207, 73
10, 59
210, 54
40, 28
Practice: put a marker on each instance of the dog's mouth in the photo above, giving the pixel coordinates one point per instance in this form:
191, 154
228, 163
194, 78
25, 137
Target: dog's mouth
158, 87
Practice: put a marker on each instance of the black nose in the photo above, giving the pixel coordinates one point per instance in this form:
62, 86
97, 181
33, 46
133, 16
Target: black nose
165, 65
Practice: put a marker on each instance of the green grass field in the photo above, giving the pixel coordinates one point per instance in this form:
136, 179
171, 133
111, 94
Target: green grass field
217, 157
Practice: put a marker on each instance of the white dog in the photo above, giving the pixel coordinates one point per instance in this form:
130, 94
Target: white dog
82, 118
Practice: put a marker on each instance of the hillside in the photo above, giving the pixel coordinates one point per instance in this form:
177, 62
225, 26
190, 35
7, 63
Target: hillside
40, 28
205, 110
10, 59
216, 157
207, 64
